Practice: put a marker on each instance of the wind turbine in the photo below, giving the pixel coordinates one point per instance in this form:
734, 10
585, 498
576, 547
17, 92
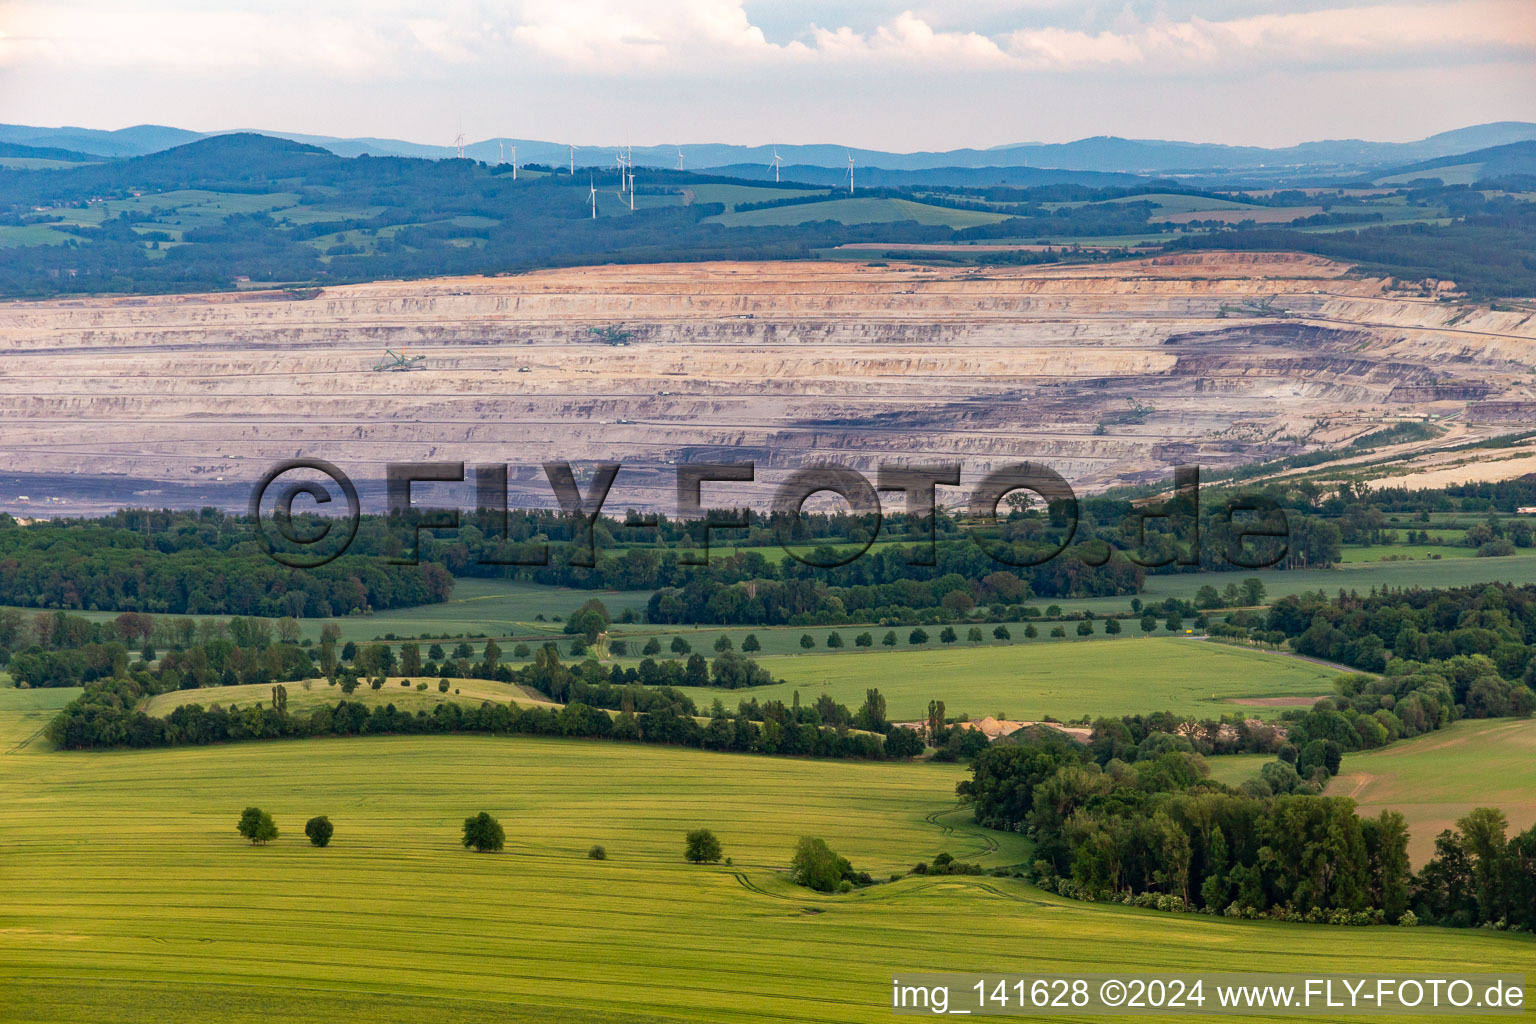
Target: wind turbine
776, 163
514, 163
458, 144
618, 162
592, 192
573, 160
679, 159
501, 151
850, 174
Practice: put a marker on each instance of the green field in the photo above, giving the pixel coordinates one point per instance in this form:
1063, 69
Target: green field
313, 693
1235, 769
1358, 576
1436, 778
735, 195
131, 899
858, 211
1028, 681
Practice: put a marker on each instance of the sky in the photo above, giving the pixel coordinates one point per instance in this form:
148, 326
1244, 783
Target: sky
899, 75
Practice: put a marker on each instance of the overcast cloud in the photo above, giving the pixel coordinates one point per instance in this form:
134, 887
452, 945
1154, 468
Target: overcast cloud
865, 72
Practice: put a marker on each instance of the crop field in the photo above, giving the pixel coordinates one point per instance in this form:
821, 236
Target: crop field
858, 211
1028, 682
1359, 576
1437, 778
735, 195
313, 693
141, 904
1235, 769
492, 607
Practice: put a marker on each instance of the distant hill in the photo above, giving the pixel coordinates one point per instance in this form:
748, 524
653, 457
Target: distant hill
136, 141
18, 151
214, 162
1466, 168
1107, 154
966, 177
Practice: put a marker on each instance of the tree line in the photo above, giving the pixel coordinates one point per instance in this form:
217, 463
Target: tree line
1158, 832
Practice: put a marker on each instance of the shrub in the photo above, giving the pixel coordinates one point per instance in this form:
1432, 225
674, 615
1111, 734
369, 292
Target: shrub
816, 866
319, 829
442, 686
597, 853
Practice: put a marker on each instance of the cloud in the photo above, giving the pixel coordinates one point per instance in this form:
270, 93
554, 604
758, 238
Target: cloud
693, 38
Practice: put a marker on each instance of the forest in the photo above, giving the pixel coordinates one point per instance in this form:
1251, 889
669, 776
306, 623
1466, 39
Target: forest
1158, 833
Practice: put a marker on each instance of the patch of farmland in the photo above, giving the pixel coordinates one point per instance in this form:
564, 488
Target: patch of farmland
858, 211
1438, 777
141, 904
1031, 681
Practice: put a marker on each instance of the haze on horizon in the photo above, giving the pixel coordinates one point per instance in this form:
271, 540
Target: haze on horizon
886, 74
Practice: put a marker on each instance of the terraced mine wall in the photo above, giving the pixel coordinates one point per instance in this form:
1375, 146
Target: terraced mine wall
1107, 373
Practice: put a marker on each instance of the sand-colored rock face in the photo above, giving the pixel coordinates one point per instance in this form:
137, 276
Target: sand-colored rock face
1105, 373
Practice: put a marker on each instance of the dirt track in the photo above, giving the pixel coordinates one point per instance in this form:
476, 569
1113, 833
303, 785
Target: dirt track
1106, 373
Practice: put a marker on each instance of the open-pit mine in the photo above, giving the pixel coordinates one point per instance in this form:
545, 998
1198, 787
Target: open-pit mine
1108, 373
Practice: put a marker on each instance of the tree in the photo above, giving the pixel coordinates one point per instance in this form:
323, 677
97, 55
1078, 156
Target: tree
1112, 627
522, 651
947, 635
903, 742
492, 659
722, 644
1174, 623
750, 644
872, 713
257, 825
974, 635
319, 829
680, 646
865, 639
816, 866
590, 620
1148, 622
1030, 632
917, 636
1085, 628
701, 847
889, 640
1253, 590
410, 659
1001, 633
652, 647
807, 641
484, 834
834, 639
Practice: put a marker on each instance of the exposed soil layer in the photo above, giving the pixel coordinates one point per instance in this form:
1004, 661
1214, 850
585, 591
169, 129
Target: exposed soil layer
1108, 374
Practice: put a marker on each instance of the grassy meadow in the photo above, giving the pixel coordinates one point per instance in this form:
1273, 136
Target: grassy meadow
130, 898
1436, 778
1029, 681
